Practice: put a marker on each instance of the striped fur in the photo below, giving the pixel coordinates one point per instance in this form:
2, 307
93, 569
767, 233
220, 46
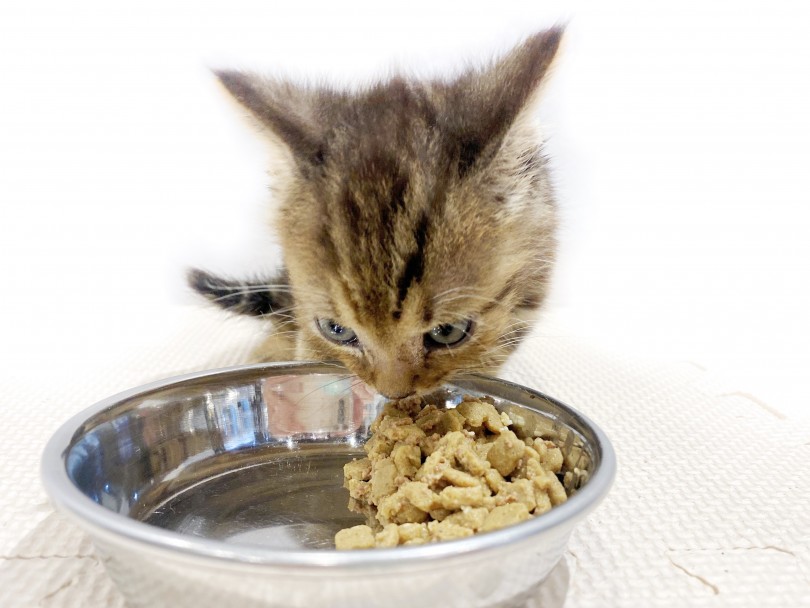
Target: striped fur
256, 297
404, 206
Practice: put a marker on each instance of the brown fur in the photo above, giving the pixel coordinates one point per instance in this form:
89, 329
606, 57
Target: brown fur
406, 206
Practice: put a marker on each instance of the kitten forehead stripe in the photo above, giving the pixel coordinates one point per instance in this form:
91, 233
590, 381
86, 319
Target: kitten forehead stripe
415, 264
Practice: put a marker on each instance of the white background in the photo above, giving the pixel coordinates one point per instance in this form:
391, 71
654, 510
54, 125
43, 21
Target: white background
680, 134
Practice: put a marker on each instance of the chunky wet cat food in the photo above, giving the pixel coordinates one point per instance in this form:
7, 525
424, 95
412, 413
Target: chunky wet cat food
438, 474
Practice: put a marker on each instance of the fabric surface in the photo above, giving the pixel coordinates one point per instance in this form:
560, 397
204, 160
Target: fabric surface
709, 507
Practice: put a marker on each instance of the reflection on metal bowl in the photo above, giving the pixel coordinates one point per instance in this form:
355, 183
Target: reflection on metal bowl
225, 488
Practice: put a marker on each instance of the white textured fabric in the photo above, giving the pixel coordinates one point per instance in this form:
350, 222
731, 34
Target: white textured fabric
710, 505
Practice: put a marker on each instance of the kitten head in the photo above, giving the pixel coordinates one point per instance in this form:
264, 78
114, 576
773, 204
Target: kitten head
416, 218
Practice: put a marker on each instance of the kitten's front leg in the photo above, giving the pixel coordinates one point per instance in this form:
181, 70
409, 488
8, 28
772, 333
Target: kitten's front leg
269, 299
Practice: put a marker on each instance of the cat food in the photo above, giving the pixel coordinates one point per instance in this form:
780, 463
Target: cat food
437, 474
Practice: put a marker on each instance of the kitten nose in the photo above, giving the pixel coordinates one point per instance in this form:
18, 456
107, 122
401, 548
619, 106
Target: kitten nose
395, 380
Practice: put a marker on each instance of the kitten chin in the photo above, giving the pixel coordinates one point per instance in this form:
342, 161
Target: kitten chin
416, 218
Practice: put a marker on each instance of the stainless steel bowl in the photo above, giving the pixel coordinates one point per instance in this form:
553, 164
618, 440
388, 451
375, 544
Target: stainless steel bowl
225, 488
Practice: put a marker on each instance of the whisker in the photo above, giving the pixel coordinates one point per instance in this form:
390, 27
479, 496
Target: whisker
290, 332
450, 290
446, 301
272, 315
323, 386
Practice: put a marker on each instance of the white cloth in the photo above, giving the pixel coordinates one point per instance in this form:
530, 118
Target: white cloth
710, 505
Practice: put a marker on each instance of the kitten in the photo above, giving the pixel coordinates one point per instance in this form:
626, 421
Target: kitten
416, 219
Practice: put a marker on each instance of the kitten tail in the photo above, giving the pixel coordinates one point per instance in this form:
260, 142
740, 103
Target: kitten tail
258, 297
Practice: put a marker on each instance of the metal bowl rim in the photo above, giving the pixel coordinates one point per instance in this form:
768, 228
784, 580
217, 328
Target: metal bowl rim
66, 496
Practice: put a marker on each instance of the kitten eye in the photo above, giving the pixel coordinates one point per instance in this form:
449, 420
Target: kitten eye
448, 334
334, 332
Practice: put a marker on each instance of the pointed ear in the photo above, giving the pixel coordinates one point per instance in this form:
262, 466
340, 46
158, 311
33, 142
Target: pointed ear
483, 105
286, 110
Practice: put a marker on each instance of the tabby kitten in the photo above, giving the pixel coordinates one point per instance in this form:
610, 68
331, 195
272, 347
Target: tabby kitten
416, 219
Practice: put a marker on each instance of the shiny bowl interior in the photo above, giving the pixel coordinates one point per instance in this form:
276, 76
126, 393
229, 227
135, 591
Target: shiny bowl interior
231, 470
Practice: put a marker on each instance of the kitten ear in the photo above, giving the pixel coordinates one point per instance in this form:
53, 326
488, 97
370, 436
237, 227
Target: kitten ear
286, 110
482, 105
